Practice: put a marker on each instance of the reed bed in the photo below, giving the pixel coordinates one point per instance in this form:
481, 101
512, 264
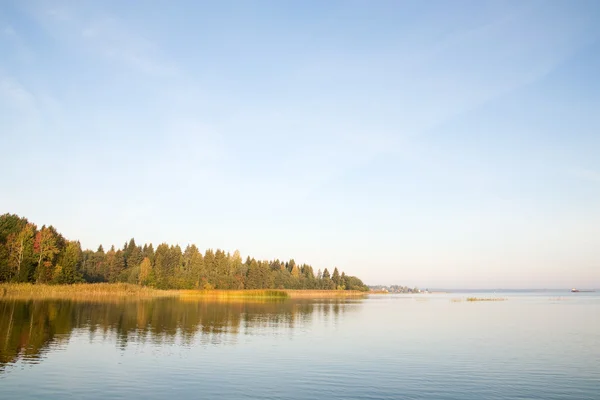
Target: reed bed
486, 299
472, 299
234, 294
325, 294
91, 291
271, 294
82, 290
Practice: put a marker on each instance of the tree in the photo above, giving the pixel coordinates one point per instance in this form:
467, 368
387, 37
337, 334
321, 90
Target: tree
148, 251
145, 272
238, 270
343, 281
209, 265
20, 247
45, 247
222, 272
193, 265
259, 276
327, 283
161, 265
94, 267
336, 278
135, 256
45, 256
353, 283
10, 224
68, 269
115, 264
128, 248
290, 265
295, 272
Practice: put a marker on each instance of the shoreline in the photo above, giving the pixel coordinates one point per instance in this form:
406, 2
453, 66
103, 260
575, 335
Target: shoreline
98, 291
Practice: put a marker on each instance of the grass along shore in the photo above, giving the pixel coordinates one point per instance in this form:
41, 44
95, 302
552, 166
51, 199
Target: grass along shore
85, 291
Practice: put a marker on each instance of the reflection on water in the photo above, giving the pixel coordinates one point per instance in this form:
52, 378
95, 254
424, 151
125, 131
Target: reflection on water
29, 329
530, 346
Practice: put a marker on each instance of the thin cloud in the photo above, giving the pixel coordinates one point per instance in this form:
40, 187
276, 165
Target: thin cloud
110, 38
9, 31
16, 94
59, 14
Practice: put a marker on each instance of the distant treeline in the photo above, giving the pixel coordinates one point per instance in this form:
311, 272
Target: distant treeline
29, 254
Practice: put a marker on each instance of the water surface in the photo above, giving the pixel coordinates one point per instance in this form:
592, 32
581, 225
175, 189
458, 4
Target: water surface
531, 346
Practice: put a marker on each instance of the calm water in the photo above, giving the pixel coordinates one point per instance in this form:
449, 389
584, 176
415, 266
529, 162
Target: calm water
531, 346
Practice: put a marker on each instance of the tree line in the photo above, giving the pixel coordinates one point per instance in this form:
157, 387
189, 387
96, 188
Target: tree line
29, 254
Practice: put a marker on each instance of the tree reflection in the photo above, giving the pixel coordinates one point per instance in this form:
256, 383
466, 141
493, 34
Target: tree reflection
29, 329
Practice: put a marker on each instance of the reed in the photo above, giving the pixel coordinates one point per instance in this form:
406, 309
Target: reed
325, 294
272, 293
558, 299
258, 293
82, 290
126, 291
459, 300
486, 299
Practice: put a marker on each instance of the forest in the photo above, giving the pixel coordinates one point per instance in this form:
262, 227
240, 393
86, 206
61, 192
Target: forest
29, 254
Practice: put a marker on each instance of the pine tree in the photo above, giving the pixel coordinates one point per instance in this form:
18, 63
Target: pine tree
46, 256
336, 278
69, 267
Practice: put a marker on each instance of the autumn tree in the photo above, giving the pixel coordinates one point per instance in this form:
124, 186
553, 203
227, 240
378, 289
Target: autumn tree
45, 256
20, 248
45, 247
145, 272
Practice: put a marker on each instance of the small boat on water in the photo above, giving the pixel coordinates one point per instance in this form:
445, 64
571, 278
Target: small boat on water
574, 290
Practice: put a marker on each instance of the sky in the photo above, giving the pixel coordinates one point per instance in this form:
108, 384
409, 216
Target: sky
432, 144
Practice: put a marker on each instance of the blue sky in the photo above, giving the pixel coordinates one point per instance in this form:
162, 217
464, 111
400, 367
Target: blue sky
441, 144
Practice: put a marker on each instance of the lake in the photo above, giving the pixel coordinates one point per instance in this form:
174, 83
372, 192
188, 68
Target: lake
539, 345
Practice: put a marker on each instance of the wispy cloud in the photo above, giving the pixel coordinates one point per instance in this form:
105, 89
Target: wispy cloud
107, 37
19, 48
9, 31
29, 109
60, 14
15, 94
112, 40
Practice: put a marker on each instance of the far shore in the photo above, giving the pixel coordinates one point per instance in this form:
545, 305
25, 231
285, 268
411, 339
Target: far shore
101, 291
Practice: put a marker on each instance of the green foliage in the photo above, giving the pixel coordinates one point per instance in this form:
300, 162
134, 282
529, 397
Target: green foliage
44, 256
68, 269
46, 247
